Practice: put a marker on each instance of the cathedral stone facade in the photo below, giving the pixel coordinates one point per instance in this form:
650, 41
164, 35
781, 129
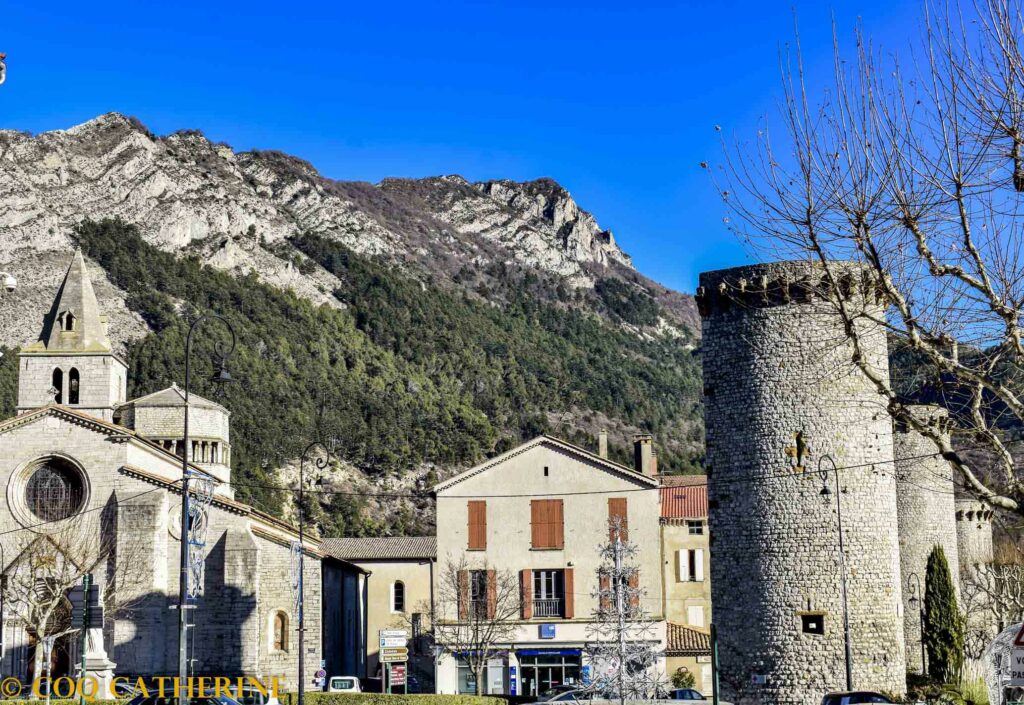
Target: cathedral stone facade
93, 481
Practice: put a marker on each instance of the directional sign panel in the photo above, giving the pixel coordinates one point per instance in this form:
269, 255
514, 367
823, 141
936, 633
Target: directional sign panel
393, 641
393, 632
394, 658
1016, 668
395, 651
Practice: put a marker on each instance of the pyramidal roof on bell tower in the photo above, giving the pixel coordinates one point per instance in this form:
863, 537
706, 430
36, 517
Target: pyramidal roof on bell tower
74, 323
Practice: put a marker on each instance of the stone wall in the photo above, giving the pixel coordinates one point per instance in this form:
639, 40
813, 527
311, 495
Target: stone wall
102, 381
927, 518
781, 391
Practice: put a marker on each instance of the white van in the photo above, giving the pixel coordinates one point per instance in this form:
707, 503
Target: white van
343, 684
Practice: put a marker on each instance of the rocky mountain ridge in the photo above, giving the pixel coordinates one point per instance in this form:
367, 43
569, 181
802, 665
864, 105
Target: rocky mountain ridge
239, 212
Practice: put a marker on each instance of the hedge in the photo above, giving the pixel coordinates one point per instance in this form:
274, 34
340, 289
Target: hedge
383, 699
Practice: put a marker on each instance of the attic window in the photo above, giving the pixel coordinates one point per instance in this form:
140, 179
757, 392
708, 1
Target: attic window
545, 471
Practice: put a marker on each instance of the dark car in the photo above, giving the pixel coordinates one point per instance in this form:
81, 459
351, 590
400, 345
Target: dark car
854, 697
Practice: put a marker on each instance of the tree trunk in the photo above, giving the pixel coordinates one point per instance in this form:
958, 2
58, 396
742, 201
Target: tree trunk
479, 671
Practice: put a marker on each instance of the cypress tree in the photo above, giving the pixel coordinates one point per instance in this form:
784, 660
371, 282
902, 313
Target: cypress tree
943, 630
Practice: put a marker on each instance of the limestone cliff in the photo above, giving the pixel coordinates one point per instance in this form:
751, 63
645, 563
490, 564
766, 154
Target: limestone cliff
237, 210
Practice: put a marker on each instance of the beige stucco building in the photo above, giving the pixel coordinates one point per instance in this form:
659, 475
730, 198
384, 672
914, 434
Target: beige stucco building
540, 512
687, 575
399, 594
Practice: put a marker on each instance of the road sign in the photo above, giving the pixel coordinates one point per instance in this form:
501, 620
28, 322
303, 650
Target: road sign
393, 642
80, 603
1019, 641
394, 632
395, 651
1016, 668
394, 658
397, 674
321, 673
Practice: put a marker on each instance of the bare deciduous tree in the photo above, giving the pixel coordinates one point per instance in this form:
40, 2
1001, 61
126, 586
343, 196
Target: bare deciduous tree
477, 609
47, 565
914, 172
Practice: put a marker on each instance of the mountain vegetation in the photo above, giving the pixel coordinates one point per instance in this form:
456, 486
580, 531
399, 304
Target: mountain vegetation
413, 379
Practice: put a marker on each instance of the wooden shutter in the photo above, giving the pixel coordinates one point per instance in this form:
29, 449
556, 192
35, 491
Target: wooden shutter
492, 593
570, 596
617, 510
634, 584
683, 565
477, 511
526, 587
463, 580
698, 564
547, 523
604, 584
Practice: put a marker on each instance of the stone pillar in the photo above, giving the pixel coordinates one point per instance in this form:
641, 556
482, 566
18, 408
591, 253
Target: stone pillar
782, 390
927, 517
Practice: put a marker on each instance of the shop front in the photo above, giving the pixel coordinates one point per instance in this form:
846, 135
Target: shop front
542, 669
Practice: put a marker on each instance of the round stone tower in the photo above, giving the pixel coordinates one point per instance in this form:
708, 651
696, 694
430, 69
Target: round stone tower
927, 517
781, 391
973, 533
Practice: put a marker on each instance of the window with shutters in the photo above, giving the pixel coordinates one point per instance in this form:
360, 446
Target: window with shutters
617, 518
547, 524
477, 511
548, 593
695, 615
478, 594
690, 565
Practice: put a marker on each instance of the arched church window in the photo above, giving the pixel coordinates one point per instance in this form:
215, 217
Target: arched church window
55, 490
280, 631
398, 597
73, 386
57, 386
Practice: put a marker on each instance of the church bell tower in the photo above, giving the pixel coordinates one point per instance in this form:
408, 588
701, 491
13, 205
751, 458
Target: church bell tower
73, 364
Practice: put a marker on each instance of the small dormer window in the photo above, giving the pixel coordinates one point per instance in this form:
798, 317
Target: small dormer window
67, 321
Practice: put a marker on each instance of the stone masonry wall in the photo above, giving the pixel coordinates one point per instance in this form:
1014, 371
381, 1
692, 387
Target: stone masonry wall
927, 518
777, 362
102, 380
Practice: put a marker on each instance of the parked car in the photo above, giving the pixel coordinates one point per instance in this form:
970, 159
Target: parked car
854, 697
202, 700
343, 684
253, 696
563, 694
692, 695
372, 685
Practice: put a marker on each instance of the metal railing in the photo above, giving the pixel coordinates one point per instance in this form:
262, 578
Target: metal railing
547, 608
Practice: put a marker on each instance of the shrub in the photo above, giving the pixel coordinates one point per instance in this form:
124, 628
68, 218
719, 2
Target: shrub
683, 678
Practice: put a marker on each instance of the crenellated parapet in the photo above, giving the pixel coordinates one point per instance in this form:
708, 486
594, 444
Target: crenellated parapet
782, 283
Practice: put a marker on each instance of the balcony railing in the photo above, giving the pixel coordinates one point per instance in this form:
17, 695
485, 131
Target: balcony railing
547, 608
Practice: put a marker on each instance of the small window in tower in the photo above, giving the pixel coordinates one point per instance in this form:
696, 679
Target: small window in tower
73, 386
66, 321
813, 623
57, 388
280, 633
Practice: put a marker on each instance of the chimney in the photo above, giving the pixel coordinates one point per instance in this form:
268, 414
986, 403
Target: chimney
602, 444
654, 463
643, 448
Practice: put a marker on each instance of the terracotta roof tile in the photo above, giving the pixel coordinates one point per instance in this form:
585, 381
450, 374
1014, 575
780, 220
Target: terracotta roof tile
381, 547
687, 641
684, 497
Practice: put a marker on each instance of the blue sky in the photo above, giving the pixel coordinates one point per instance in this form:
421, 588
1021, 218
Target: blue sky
617, 101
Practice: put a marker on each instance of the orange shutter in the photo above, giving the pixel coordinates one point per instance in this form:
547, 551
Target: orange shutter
477, 511
570, 602
604, 584
526, 585
537, 525
463, 580
634, 584
557, 524
492, 594
547, 523
617, 509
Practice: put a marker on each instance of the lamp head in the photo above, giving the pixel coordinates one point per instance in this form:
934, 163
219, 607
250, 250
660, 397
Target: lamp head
10, 283
222, 377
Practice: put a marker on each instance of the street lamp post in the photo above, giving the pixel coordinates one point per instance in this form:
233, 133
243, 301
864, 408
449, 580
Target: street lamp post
916, 595
321, 462
825, 492
220, 377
